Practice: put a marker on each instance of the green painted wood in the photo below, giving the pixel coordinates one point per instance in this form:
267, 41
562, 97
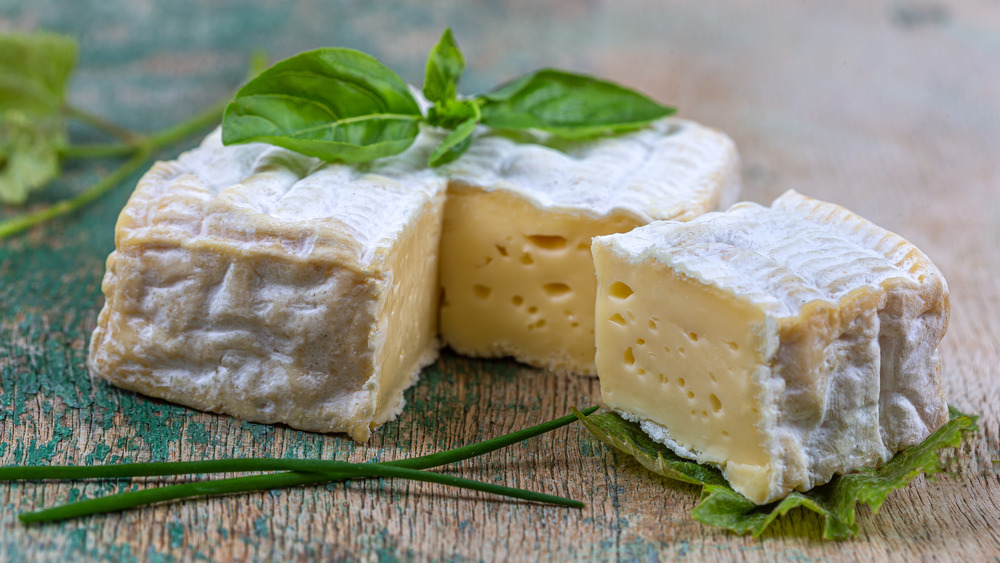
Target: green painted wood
887, 108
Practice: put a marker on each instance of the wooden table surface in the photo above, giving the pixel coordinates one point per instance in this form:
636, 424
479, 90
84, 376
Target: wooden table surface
889, 108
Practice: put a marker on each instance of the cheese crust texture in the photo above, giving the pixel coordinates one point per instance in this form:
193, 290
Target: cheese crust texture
257, 282
783, 344
517, 275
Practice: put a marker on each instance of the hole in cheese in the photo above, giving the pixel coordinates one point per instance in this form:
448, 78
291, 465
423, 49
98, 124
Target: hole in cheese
629, 358
532, 310
617, 319
517, 300
548, 242
690, 394
652, 324
716, 403
556, 289
693, 336
733, 346
527, 259
640, 341
481, 291
680, 382
619, 290
502, 250
641, 371
663, 379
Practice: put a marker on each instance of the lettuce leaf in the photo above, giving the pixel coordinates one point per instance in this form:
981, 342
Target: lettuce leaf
34, 73
835, 501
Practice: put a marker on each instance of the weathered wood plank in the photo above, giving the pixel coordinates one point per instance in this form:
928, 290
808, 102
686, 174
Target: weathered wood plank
888, 108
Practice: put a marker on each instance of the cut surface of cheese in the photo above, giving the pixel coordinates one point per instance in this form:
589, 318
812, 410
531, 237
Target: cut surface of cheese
517, 275
783, 344
254, 281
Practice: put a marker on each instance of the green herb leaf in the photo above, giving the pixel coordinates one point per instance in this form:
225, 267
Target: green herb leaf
628, 437
34, 72
454, 144
458, 141
444, 68
835, 501
29, 153
568, 105
334, 103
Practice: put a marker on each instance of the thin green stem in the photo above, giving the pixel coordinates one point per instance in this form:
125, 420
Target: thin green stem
203, 120
98, 150
326, 471
102, 124
20, 223
486, 446
344, 470
140, 153
127, 470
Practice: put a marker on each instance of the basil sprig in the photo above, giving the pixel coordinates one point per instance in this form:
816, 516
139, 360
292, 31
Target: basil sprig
343, 105
334, 103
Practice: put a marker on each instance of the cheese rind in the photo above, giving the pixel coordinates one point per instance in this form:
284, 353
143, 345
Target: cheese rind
516, 270
782, 344
257, 282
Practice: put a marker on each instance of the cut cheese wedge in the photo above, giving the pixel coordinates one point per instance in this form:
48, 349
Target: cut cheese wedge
517, 275
781, 344
254, 281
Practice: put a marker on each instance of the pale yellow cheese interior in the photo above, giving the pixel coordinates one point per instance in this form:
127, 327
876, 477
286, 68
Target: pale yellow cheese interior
519, 280
405, 320
681, 354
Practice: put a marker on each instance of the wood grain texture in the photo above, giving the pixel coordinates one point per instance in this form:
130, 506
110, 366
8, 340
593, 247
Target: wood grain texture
889, 108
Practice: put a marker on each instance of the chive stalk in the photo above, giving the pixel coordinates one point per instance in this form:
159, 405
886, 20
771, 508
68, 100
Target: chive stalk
303, 472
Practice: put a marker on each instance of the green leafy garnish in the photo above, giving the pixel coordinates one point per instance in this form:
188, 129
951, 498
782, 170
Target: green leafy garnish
835, 501
334, 103
459, 140
300, 104
34, 71
444, 68
568, 105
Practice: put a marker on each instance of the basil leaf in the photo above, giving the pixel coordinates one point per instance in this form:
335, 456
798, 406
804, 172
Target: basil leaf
34, 73
444, 68
455, 143
834, 502
568, 105
334, 103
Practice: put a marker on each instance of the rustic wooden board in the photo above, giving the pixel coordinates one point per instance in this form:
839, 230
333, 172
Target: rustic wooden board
889, 108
